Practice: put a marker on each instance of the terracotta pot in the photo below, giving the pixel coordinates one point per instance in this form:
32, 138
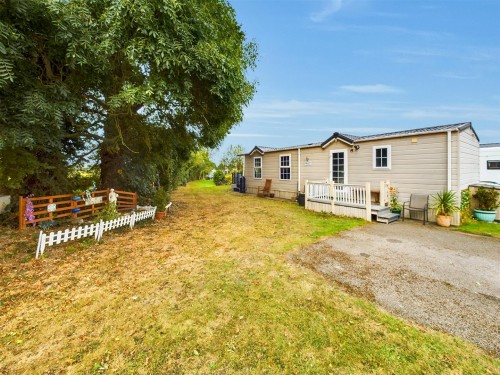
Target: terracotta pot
159, 215
443, 221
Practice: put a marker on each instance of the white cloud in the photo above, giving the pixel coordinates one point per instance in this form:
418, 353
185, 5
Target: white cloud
301, 113
294, 109
333, 6
423, 52
253, 135
455, 113
371, 89
457, 76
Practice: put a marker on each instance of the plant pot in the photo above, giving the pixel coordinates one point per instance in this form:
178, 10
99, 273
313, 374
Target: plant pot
76, 198
159, 215
396, 212
483, 215
443, 221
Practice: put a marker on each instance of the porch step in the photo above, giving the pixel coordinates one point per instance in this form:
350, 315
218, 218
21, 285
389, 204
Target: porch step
385, 216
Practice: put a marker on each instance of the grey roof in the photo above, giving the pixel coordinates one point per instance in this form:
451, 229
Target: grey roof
486, 145
265, 149
432, 129
353, 138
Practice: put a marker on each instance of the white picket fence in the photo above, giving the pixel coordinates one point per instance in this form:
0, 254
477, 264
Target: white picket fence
95, 230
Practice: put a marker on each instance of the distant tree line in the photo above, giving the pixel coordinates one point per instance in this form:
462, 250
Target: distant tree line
129, 90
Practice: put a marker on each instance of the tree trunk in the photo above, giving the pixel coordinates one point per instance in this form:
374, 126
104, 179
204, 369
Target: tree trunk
112, 159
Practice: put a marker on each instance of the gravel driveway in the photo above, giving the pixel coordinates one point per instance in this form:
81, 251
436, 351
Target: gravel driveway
434, 276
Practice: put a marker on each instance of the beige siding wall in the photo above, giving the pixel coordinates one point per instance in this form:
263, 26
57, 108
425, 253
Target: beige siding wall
418, 164
468, 156
271, 169
315, 163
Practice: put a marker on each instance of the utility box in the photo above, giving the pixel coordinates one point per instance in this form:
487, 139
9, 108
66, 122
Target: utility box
301, 199
242, 184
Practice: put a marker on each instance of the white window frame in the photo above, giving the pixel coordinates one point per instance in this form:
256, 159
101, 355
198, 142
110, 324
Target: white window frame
254, 167
389, 157
346, 165
289, 166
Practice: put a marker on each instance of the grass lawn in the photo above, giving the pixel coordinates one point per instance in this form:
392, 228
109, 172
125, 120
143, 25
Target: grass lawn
207, 290
481, 227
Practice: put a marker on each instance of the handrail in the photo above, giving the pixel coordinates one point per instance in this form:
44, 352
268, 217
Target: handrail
339, 193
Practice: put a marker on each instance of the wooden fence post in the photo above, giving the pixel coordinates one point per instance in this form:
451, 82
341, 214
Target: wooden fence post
368, 202
22, 208
134, 201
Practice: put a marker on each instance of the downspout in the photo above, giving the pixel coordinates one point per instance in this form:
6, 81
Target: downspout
298, 181
449, 160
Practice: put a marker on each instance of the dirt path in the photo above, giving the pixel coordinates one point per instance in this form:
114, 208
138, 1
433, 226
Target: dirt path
436, 277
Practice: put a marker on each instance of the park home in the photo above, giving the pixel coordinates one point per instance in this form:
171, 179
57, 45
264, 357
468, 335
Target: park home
416, 161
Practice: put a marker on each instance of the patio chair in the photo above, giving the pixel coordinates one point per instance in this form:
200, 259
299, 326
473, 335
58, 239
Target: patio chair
264, 191
417, 203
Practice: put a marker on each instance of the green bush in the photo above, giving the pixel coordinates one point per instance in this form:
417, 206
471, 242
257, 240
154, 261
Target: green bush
161, 199
219, 178
228, 179
487, 199
108, 212
465, 205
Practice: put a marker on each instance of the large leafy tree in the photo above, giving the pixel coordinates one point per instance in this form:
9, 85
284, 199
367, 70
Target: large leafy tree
145, 83
199, 165
232, 160
37, 136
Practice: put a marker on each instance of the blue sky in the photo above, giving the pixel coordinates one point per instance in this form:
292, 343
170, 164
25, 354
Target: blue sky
369, 66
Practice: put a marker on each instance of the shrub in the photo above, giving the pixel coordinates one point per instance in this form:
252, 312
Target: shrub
487, 199
108, 212
465, 205
161, 199
228, 179
444, 203
394, 203
219, 177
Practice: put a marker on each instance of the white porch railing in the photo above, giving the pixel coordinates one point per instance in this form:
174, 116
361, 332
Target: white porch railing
356, 196
339, 193
319, 191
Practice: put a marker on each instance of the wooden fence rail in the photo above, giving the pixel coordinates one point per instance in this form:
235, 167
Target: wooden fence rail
56, 207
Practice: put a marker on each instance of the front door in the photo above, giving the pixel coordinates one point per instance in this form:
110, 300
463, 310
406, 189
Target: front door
339, 166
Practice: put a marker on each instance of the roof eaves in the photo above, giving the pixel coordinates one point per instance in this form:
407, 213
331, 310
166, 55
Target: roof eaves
337, 136
489, 145
256, 149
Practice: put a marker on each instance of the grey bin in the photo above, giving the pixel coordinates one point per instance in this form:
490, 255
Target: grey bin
301, 199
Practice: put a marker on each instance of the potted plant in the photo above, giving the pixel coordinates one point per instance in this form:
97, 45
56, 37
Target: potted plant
394, 204
445, 205
160, 201
487, 204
